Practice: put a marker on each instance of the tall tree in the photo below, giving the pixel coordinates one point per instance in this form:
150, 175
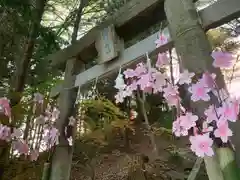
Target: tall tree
23, 65
21, 72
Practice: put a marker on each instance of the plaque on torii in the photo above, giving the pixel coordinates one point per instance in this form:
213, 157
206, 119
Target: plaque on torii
107, 44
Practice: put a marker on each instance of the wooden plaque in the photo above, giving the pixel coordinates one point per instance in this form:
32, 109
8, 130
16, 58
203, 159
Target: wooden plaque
107, 44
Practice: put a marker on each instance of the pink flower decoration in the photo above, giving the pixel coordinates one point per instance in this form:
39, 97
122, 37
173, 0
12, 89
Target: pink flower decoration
160, 81
5, 107
162, 60
21, 147
140, 69
170, 90
210, 114
133, 86
51, 137
148, 89
222, 59
5, 133
178, 129
223, 131
172, 100
129, 73
161, 40
184, 123
199, 92
189, 120
145, 81
34, 155
229, 111
202, 145
208, 80
185, 77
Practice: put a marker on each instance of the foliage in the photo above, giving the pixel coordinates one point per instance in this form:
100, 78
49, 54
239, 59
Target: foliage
102, 117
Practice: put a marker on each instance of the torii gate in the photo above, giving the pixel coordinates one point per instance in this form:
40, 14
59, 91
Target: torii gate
126, 22
107, 41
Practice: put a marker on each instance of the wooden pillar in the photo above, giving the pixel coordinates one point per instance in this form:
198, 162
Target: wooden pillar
62, 156
194, 50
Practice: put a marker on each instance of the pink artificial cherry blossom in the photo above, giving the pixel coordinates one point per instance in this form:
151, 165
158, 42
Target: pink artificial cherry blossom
127, 91
132, 87
145, 81
51, 137
208, 80
160, 79
161, 40
185, 77
171, 95
184, 123
178, 129
21, 146
150, 79
5, 133
210, 113
5, 106
156, 89
34, 155
202, 145
162, 60
222, 59
199, 92
148, 89
172, 100
223, 131
229, 111
129, 73
140, 69
189, 120
170, 90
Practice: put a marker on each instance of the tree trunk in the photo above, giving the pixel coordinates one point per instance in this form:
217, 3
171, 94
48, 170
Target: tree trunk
20, 75
194, 50
23, 65
62, 155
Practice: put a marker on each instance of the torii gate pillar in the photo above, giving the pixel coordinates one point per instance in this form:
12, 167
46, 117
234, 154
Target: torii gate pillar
194, 49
